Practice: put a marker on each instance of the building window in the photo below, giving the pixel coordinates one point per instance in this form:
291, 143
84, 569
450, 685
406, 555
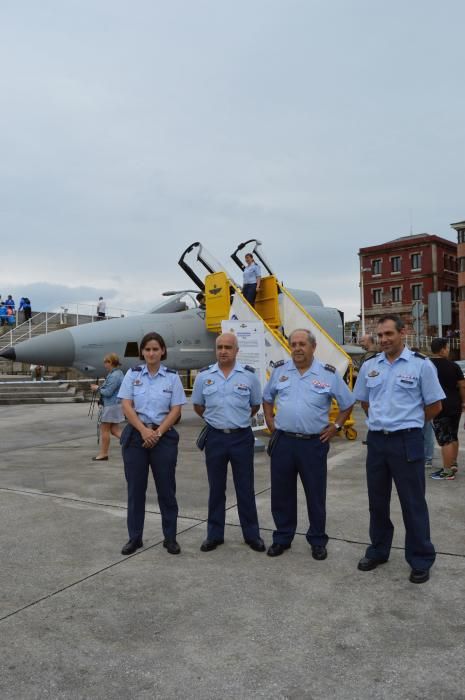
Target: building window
461, 266
396, 293
395, 264
417, 292
461, 294
377, 296
415, 260
376, 264
461, 235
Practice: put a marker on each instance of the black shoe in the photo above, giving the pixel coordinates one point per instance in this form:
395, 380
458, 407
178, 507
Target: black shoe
319, 552
131, 546
367, 564
419, 576
257, 545
172, 547
209, 545
276, 549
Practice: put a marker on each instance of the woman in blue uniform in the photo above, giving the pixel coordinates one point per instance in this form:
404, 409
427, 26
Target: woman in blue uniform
252, 278
152, 396
112, 415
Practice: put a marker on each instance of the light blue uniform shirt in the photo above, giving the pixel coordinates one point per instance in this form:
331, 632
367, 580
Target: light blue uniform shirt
251, 272
397, 392
227, 400
153, 396
303, 400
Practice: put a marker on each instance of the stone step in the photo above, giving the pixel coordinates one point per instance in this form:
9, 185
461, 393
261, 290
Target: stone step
28, 392
38, 399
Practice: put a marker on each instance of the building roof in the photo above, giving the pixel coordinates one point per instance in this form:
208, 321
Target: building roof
409, 241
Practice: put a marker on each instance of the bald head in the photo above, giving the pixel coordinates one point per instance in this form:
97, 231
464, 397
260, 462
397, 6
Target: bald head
226, 350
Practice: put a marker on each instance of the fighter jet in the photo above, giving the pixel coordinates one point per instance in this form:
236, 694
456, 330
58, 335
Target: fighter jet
179, 320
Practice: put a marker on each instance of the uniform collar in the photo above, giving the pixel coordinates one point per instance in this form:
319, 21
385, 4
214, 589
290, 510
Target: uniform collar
314, 367
161, 370
406, 354
237, 368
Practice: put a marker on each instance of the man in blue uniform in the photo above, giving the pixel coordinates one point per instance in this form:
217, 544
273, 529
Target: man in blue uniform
399, 390
226, 395
302, 390
252, 278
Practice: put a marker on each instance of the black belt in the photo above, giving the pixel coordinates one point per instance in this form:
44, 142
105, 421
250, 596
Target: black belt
395, 432
151, 426
302, 436
228, 430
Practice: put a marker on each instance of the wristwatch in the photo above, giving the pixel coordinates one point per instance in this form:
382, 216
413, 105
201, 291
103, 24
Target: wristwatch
338, 427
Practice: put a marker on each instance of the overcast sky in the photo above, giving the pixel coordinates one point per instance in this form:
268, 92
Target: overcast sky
131, 129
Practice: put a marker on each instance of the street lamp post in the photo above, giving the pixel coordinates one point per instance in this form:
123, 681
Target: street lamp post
362, 295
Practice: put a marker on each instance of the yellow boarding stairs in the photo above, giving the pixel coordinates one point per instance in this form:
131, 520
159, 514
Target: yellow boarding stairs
281, 313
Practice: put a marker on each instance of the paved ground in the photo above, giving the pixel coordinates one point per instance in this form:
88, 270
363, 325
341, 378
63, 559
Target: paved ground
78, 620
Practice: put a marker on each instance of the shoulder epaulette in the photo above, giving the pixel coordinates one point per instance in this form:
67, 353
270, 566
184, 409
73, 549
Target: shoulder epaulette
202, 369
280, 363
249, 368
330, 368
173, 371
139, 368
420, 354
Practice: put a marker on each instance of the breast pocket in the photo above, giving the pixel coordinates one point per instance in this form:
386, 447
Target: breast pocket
407, 383
318, 396
283, 390
210, 394
139, 397
241, 395
374, 382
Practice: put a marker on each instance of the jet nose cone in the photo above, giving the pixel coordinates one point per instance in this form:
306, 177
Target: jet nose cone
56, 348
8, 354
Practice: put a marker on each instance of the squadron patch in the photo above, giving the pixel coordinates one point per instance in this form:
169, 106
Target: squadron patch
209, 381
283, 378
373, 373
137, 382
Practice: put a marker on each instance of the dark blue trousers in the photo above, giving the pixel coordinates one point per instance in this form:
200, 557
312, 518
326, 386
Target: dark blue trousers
162, 460
237, 449
398, 457
250, 292
292, 457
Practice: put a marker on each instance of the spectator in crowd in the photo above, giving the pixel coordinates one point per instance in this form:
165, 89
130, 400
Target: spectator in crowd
112, 414
101, 309
10, 315
353, 333
446, 423
367, 342
3, 314
37, 373
10, 302
25, 307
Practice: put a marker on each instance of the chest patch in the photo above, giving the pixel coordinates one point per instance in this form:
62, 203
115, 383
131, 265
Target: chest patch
283, 378
373, 373
320, 385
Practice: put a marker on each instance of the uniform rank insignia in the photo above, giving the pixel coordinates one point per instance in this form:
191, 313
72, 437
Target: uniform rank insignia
330, 368
283, 378
373, 373
277, 364
209, 381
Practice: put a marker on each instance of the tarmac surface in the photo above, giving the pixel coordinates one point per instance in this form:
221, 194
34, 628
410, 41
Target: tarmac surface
79, 620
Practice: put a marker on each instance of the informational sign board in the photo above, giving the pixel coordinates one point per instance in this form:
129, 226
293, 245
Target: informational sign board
251, 340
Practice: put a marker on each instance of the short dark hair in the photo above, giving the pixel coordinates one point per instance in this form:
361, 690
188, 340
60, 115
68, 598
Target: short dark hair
438, 344
399, 324
153, 336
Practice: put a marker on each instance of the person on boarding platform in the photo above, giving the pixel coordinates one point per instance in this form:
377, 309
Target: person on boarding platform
10, 303
101, 309
112, 414
152, 397
446, 424
227, 394
398, 389
252, 278
301, 390
25, 307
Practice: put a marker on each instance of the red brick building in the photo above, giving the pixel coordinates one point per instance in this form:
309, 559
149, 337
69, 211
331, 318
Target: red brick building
460, 228
407, 269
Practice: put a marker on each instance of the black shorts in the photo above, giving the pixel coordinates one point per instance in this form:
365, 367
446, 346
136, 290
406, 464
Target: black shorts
446, 429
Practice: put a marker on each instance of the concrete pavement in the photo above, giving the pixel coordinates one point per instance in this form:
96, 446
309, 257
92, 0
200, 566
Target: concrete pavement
78, 620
